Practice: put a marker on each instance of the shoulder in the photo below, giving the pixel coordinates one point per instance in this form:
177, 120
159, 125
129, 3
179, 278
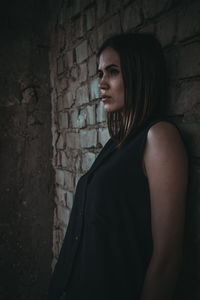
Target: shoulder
163, 130
164, 147
164, 135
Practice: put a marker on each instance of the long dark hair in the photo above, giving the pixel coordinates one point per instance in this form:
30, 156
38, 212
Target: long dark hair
145, 80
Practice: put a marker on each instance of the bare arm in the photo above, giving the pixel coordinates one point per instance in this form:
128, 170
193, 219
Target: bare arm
166, 166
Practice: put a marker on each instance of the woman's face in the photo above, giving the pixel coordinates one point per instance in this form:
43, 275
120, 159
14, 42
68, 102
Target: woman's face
110, 80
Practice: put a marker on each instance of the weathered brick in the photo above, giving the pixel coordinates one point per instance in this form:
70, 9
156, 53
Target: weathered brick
101, 8
77, 163
55, 241
171, 57
60, 103
60, 65
60, 178
88, 138
191, 134
166, 30
172, 104
188, 20
60, 244
109, 28
189, 60
73, 86
61, 38
81, 52
114, 6
131, 17
58, 159
55, 218
63, 120
78, 28
90, 114
61, 195
150, 28
151, 8
61, 85
92, 42
64, 229
53, 96
67, 99
92, 65
100, 112
61, 17
68, 180
63, 214
54, 261
64, 159
193, 115
75, 7
82, 95
94, 90
69, 200
72, 140
68, 159
103, 136
68, 59
90, 17
194, 196
54, 132
74, 73
74, 117
81, 120
87, 160
187, 101
83, 72
60, 142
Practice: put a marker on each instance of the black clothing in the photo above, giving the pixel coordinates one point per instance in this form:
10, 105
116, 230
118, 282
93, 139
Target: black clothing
108, 243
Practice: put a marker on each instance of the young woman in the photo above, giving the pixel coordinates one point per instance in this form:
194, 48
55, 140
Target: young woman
124, 238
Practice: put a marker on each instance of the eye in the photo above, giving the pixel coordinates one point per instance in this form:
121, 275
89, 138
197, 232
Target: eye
114, 71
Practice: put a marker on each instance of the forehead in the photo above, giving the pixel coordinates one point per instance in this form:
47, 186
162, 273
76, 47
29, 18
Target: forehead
107, 57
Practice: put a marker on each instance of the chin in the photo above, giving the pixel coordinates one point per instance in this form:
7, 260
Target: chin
109, 108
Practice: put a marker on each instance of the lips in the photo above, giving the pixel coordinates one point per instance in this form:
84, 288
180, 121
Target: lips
105, 97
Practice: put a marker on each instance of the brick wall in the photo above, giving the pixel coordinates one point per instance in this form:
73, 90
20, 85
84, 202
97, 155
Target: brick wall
78, 118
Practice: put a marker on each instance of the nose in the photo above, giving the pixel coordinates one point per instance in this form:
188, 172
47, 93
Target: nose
103, 83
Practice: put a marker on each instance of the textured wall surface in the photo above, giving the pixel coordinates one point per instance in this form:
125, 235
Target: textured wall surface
79, 127
27, 181
62, 108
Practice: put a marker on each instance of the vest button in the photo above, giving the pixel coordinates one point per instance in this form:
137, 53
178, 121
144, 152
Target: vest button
76, 237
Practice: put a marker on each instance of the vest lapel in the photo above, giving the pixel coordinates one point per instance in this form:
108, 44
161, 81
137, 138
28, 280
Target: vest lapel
101, 158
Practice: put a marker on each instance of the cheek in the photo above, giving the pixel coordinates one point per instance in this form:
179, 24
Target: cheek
118, 86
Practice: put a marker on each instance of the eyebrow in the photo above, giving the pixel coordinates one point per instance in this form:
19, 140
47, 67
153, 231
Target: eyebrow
108, 67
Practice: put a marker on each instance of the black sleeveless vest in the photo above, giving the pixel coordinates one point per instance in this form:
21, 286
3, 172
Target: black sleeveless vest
108, 244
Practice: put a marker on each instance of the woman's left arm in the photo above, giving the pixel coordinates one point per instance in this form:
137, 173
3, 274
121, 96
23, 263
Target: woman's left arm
166, 166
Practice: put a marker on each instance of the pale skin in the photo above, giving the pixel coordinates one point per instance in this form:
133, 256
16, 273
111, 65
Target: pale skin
165, 164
